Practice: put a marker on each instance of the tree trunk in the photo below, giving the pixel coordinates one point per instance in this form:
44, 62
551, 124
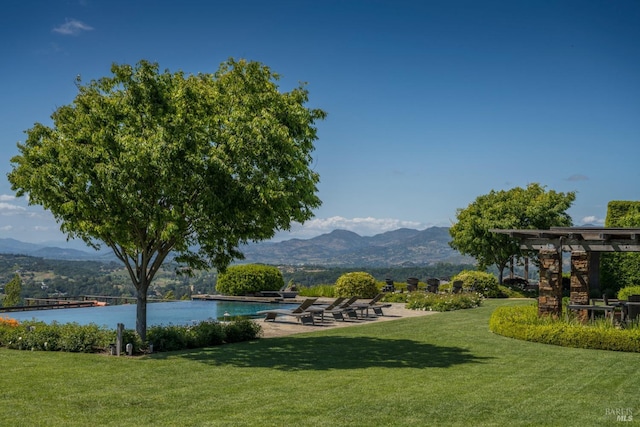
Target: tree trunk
501, 268
141, 313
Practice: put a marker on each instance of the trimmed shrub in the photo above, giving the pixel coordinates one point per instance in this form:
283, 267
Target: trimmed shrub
358, 284
179, 337
443, 302
523, 322
207, 333
241, 330
479, 281
629, 290
70, 337
168, 337
249, 279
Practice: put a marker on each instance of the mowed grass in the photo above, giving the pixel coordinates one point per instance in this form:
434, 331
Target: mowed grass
444, 369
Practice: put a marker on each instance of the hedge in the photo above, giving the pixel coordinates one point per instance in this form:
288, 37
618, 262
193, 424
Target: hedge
523, 323
249, 279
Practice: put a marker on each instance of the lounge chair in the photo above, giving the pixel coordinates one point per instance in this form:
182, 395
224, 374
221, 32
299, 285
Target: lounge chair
372, 304
338, 301
321, 309
304, 316
344, 308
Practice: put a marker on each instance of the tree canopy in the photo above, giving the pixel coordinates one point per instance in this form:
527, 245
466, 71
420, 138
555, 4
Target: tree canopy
151, 162
620, 269
518, 208
12, 292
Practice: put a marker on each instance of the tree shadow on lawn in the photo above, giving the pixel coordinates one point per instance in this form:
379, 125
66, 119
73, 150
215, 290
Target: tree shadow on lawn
335, 352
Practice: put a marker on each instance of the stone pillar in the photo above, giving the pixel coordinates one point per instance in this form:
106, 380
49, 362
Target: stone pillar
550, 299
580, 262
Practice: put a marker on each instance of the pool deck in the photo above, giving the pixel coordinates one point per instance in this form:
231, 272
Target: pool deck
288, 325
275, 300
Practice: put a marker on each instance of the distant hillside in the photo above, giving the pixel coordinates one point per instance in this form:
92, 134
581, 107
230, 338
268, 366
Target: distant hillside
341, 248
16, 247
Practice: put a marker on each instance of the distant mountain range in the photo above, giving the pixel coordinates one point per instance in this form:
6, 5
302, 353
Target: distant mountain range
339, 248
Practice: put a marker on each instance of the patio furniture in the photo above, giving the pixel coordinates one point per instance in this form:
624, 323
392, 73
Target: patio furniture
607, 309
300, 312
456, 288
344, 308
319, 310
631, 308
372, 304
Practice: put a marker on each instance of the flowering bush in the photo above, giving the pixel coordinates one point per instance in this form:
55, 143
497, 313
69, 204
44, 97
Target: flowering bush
8, 321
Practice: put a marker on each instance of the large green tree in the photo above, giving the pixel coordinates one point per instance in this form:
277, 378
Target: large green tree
518, 208
152, 162
12, 291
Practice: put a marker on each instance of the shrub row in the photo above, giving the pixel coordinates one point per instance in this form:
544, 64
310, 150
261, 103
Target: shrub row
203, 334
76, 338
523, 323
443, 302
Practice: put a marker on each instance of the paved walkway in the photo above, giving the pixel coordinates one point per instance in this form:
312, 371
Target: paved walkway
288, 325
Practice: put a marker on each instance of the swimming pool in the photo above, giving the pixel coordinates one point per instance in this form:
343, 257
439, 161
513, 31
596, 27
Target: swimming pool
158, 313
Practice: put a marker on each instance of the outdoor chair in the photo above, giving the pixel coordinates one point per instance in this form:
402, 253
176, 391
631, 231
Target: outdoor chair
633, 310
344, 308
594, 308
372, 304
300, 312
456, 288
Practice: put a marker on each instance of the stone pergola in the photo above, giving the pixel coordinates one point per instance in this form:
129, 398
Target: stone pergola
585, 245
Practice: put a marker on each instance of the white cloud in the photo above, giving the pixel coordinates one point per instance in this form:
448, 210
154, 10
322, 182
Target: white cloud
10, 209
593, 220
72, 27
6, 228
6, 198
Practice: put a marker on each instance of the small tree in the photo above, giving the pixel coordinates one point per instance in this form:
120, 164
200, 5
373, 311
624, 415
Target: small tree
518, 208
12, 292
358, 284
153, 163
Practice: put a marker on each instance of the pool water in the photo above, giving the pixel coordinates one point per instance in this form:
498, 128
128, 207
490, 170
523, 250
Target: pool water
158, 313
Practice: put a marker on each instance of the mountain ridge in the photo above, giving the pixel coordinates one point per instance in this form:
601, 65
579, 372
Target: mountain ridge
342, 248
338, 248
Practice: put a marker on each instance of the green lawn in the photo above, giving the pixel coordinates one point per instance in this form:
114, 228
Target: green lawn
445, 369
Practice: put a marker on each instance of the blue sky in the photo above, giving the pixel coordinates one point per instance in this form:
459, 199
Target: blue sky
430, 103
